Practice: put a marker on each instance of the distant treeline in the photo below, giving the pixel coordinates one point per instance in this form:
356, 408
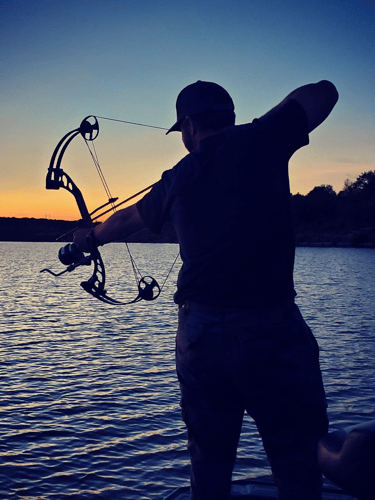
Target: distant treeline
321, 218
346, 219
14, 229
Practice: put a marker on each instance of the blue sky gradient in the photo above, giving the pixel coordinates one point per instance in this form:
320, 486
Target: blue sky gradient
62, 61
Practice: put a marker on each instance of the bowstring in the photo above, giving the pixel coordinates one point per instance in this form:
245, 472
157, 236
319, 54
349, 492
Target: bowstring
95, 159
94, 156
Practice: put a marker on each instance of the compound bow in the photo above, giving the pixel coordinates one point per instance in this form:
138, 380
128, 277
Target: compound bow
148, 288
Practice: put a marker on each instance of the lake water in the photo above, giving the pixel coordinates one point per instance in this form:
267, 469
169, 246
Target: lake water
89, 397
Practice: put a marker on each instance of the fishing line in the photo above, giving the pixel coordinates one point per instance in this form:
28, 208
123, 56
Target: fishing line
131, 123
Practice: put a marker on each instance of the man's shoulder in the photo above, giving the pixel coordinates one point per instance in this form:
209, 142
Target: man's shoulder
290, 111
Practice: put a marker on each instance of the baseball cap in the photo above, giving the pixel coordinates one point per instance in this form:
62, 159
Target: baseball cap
200, 97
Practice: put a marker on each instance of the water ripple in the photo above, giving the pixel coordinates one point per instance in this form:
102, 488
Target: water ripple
89, 402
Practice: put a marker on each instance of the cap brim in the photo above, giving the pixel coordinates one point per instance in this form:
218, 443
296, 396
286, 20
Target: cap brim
176, 127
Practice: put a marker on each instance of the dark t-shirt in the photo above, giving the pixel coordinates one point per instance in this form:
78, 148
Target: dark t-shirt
230, 204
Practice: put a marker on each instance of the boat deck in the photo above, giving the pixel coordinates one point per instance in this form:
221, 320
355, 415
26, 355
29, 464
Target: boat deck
260, 489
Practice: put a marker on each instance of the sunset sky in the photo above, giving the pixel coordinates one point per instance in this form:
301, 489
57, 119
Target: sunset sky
128, 60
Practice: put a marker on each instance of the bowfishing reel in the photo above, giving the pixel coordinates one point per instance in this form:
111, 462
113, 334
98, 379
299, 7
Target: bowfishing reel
70, 254
72, 257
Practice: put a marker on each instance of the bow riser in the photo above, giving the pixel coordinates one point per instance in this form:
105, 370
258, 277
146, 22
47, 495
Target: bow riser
56, 179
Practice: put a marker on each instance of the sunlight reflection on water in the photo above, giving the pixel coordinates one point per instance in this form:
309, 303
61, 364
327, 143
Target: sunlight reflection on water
89, 399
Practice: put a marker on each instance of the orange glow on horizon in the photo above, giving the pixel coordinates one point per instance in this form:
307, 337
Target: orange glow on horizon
40, 203
56, 205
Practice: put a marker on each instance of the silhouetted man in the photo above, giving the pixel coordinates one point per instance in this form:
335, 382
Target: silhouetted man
242, 344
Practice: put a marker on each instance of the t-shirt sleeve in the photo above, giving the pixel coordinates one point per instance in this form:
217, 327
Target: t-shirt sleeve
153, 207
288, 125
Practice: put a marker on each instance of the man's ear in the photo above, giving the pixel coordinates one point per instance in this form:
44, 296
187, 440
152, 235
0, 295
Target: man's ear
190, 126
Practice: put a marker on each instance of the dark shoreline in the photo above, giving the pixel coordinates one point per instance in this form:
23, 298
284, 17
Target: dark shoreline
363, 238
47, 230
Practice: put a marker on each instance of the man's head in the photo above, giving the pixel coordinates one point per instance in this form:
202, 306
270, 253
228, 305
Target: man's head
204, 106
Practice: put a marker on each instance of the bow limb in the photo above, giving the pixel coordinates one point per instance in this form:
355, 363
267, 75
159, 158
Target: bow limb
57, 178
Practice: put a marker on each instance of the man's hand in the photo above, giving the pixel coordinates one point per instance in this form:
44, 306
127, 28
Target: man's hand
317, 100
118, 227
84, 240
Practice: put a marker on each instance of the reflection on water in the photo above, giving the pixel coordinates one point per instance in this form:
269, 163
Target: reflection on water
89, 399
336, 294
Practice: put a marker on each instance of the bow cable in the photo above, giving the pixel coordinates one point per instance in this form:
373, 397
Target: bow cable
111, 200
